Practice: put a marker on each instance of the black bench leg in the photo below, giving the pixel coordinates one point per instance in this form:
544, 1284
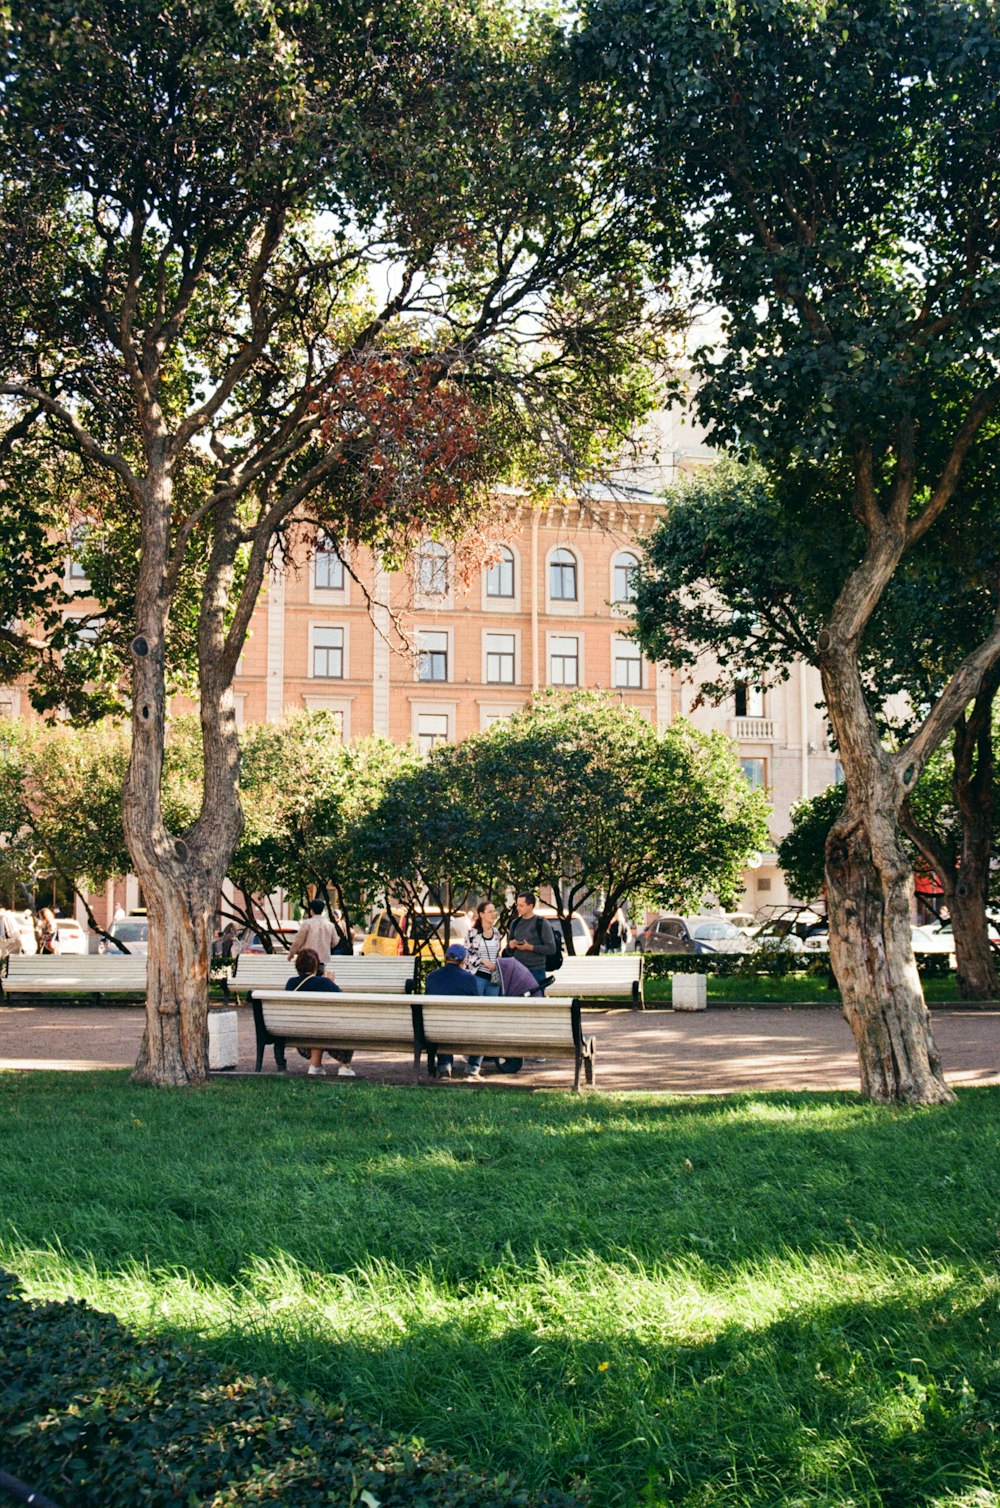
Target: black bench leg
588, 1062
279, 1056
417, 1054
260, 1057
576, 1075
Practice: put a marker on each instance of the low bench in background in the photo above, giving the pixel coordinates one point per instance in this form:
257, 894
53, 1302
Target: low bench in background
74, 974
358, 976
604, 976
485, 1024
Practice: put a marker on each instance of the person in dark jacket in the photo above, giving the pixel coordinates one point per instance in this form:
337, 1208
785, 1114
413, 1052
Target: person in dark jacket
312, 979
452, 978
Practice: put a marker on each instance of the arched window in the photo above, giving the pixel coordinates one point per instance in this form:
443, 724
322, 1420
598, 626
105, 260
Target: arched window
625, 566
432, 570
500, 577
562, 576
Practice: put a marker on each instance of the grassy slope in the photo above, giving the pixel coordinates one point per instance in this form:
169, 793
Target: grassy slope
769, 1300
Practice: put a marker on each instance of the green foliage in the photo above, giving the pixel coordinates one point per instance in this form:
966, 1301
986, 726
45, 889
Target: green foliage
581, 794
802, 852
307, 795
104, 1419
60, 803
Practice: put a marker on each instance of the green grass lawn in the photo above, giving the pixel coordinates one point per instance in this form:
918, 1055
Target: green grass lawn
769, 1299
792, 989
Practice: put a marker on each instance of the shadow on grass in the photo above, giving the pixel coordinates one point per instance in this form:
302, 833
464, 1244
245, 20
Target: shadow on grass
855, 1403
467, 1185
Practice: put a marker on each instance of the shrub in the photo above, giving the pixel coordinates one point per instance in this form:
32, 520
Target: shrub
92, 1415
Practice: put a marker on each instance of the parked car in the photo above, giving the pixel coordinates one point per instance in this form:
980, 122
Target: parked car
721, 935
669, 934
252, 942
72, 938
787, 927
583, 936
133, 931
424, 932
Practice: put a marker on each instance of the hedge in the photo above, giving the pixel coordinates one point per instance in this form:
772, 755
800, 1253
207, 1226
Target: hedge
91, 1415
775, 963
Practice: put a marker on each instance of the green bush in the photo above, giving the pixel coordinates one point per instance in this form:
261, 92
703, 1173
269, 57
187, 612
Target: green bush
93, 1416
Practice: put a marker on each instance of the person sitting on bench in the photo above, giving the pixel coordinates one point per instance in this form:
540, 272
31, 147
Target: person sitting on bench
312, 978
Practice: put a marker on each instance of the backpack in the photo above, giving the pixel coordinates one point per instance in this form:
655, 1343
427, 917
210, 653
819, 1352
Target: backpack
554, 960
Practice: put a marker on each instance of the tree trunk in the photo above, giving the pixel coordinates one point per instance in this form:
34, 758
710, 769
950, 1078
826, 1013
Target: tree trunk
974, 961
869, 899
869, 896
973, 787
181, 876
181, 921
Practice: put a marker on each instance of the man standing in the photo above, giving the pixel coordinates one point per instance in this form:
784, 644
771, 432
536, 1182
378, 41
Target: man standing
316, 932
453, 978
530, 939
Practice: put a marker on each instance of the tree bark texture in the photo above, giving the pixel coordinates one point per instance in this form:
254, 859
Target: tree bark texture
869, 898
973, 789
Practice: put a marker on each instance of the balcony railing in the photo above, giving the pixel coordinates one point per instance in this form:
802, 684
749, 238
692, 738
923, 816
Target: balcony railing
753, 730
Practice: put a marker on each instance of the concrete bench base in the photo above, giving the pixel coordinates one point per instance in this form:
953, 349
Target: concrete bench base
689, 992
223, 1039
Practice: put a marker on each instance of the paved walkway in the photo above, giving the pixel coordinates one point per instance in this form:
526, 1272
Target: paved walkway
714, 1051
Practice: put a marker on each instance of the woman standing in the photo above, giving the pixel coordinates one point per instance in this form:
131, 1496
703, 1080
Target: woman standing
47, 931
484, 946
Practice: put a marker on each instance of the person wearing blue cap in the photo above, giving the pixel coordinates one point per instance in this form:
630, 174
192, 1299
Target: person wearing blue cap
453, 978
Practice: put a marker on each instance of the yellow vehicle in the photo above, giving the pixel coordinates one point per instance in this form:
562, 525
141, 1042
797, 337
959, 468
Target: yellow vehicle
424, 933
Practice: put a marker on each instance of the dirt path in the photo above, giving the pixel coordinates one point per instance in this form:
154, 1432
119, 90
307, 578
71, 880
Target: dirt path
715, 1051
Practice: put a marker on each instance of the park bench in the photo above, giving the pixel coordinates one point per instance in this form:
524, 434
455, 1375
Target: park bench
71, 974
358, 976
605, 976
486, 1024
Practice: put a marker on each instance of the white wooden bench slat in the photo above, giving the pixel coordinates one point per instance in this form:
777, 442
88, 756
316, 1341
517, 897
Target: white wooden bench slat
377, 975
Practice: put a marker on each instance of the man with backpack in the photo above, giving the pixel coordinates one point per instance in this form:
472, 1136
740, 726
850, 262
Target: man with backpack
531, 940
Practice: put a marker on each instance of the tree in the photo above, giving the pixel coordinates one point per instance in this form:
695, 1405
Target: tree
726, 576
832, 172
307, 796
274, 269
581, 795
420, 846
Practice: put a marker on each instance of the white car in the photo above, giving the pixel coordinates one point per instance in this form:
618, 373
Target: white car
720, 934
582, 936
72, 938
134, 933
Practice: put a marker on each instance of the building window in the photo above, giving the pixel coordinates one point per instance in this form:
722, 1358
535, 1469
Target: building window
500, 659
433, 648
625, 567
75, 569
562, 576
328, 654
754, 772
432, 729
627, 665
85, 631
838, 773
564, 661
328, 568
500, 577
432, 570
749, 700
